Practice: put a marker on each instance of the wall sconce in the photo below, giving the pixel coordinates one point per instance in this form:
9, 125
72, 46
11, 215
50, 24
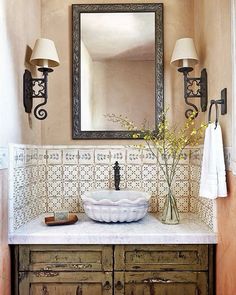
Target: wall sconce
45, 56
185, 57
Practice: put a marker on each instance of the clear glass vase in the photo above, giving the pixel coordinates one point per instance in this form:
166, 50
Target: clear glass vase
170, 214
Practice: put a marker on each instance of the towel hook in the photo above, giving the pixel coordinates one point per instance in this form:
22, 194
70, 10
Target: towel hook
216, 102
213, 102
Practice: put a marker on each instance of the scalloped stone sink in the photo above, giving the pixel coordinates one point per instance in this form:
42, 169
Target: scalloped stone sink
115, 206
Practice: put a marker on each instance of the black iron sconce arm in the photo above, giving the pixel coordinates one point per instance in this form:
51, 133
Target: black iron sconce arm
195, 88
36, 88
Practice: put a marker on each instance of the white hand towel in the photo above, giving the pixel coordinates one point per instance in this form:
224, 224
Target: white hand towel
213, 177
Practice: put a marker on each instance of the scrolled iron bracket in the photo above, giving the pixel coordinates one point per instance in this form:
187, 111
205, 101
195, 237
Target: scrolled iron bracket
195, 88
35, 88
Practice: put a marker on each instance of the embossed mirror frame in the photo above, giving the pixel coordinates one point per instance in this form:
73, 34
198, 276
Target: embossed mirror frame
77, 9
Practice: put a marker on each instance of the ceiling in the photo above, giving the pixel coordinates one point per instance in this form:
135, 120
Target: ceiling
119, 36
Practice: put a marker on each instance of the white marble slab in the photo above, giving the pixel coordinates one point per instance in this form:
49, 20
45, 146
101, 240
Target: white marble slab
149, 230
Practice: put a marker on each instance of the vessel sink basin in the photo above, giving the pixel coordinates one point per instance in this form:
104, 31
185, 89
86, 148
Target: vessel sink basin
115, 206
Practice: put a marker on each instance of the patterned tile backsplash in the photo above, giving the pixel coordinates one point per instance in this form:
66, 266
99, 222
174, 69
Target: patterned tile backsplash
50, 178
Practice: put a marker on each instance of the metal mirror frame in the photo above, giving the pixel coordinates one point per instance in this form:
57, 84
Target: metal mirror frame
77, 9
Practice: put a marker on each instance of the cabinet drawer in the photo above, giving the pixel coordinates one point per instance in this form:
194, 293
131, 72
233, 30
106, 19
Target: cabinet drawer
65, 258
168, 283
161, 257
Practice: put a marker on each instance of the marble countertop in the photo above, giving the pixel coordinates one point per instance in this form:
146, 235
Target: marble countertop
149, 230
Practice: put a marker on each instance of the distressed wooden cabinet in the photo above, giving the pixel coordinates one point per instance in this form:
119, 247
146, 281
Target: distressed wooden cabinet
118, 270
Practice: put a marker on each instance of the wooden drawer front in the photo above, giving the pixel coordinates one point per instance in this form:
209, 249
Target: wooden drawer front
161, 257
161, 283
62, 283
65, 258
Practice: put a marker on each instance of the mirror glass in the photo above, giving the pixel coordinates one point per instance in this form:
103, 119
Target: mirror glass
119, 69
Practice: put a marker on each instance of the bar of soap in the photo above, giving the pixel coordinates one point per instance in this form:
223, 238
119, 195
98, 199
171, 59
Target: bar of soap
61, 215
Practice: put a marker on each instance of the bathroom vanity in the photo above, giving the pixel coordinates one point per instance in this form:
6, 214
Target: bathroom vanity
88, 258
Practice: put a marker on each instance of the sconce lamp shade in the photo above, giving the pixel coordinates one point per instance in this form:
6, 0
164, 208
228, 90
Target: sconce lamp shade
44, 54
184, 54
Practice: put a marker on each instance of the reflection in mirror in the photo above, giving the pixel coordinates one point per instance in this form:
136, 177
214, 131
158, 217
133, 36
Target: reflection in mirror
117, 67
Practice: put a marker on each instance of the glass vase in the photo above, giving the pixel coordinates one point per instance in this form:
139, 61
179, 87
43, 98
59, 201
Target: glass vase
170, 214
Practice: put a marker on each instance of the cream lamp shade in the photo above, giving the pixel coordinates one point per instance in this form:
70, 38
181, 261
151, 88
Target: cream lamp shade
44, 54
184, 54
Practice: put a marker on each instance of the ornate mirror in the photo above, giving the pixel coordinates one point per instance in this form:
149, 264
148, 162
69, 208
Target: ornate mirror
117, 67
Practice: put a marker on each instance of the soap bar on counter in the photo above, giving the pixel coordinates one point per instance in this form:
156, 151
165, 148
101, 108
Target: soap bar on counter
61, 215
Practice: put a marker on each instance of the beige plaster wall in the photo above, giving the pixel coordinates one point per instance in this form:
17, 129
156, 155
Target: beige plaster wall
213, 42
56, 24
20, 23
124, 88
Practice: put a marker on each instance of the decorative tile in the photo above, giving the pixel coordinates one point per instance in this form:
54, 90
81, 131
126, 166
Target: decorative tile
150, 187
70, 173
34, 192
70, 156
31, 156
184, 157
194, 189
102, 172
161, 203
86, 156
181, 188
183, 204
19, 176
55, 204
193, 205
149, 157
54, 188
42, 189
102, 185
182, 173
134, 156
28, 175
42, 172
71, 204
153, 205
162, 189
195, 173
42, 156
134, 185
85, 186
54, 172
34, 173
86, 172
150, 172
102, 156
118, 155
19, 157
195, 156
54, 156
134, 172
71, 189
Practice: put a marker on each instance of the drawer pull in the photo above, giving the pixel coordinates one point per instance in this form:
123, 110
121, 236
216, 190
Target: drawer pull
45, 291
119, 285
81, 266
79, 291
107, 285
158, 280
47, 274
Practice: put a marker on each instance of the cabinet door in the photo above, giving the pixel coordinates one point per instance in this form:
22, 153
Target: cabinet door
65, 283
160, 283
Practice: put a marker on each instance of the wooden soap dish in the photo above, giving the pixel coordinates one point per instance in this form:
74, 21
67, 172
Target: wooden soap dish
51, 220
